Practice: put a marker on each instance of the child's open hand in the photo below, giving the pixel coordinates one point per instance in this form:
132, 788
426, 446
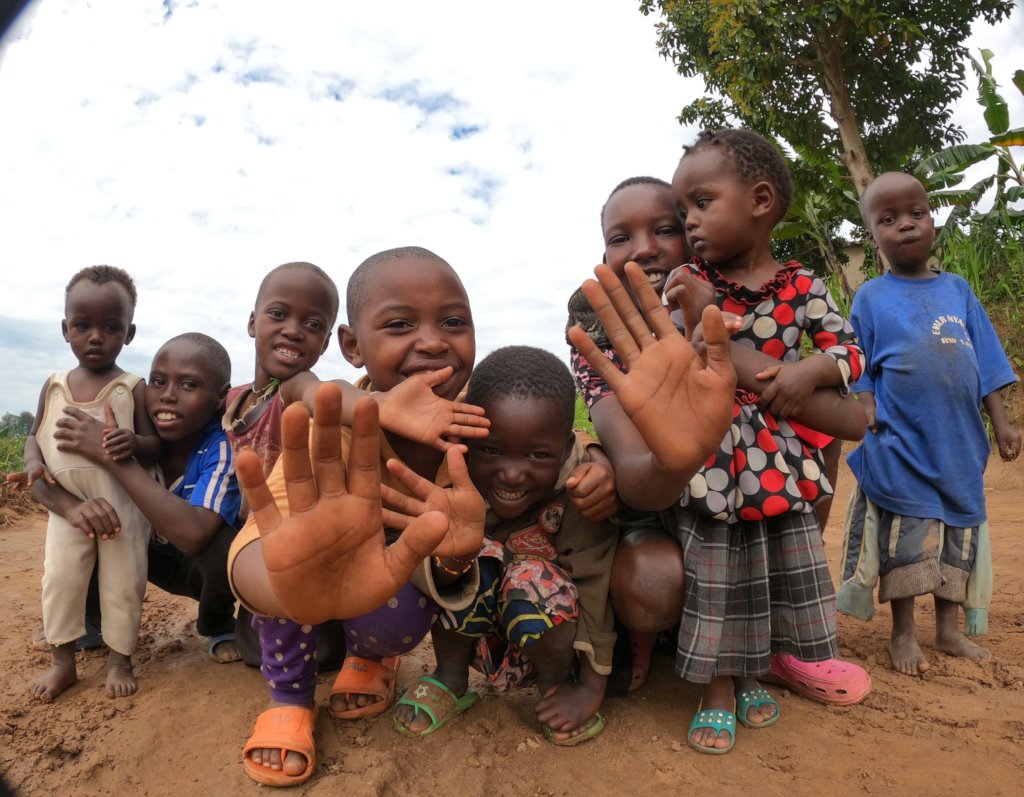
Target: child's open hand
23, 480
412, 410
680, 403
328, 559
461, 504
79, 433
788, 390
591, 486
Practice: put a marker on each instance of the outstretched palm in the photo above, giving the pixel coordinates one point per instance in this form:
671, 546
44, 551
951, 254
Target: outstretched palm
681, 403
327, 559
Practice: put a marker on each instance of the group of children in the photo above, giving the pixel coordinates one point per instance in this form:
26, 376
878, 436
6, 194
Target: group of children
440, 498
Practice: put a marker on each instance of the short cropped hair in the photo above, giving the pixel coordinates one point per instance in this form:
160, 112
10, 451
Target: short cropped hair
332, 289
101, 275
630, 181
215, 356
358, 284
524, 372
753, 156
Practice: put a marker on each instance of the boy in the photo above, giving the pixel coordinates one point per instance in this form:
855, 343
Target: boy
917, 520
408, 315
542, 608
194, 516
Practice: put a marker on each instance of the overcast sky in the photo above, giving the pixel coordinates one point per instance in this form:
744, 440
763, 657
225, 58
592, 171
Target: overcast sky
199, 144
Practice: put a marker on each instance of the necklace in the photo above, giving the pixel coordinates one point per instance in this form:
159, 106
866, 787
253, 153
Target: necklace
250, 416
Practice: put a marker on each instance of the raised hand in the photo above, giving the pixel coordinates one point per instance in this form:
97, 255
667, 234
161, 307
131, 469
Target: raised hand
412, 410
328, 559
591, 486
461, 504
680, 403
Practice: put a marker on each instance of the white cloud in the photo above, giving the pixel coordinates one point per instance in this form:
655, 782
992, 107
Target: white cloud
199, 144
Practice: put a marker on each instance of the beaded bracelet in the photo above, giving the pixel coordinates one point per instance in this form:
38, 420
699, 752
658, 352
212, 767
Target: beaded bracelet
441, 566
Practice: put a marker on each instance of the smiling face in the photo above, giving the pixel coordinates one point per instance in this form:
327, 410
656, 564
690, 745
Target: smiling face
183, 394
516, 466
414, 317
291, 324
899, 220
97, 323
718, 207
641, 223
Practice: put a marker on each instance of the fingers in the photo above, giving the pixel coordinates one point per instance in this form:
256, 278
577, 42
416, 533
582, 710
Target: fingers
469, 414
326, 454
412, 481
75, 413
621, 320
295, 459
108, 415
249, 469
398, 501
769, 373
458, 470
716, 340
364, 455
656, 319
435, 378
414, 545
588, 349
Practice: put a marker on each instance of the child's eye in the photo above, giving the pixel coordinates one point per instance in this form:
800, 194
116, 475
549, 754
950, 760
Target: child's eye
538, 456
616, 240
887, 220
156, 381
489, 451
315, 324
918, 214
189, 384
277, 315
669, 231
113, 328
397, 324
454, 322
702, 202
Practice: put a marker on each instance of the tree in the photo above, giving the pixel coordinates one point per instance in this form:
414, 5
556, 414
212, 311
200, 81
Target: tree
17, 424
867, 82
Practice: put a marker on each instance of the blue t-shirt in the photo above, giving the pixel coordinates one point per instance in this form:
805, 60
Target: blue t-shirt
209, 480
932, 355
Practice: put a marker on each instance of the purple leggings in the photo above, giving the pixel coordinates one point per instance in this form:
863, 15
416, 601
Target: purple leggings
289, 649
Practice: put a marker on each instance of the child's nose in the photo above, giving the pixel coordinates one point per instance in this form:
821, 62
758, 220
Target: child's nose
644, 248
431, 339
512, 474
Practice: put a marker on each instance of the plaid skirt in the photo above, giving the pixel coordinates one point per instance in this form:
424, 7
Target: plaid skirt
753, 589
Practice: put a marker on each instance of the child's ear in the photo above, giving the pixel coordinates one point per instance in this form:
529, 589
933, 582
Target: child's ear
64, 329
349, 345
131, 334
222, 398
251, 326
764, 198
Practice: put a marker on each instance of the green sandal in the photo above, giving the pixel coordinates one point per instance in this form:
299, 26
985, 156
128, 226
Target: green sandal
435, 700
593, 728
755, 698
717, 719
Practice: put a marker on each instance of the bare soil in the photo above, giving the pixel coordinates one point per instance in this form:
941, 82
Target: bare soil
958, 730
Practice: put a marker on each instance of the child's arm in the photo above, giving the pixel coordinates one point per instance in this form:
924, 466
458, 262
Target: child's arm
143, 443
327, 559
672, 408
411, 409
188, 528
591, 485
34, 467
1007, 438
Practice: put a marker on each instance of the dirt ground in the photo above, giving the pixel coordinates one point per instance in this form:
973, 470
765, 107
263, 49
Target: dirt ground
958, 730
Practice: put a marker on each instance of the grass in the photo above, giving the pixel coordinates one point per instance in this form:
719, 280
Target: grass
12, 448
582, 419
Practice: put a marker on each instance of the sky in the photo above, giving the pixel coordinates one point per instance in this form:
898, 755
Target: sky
199, 144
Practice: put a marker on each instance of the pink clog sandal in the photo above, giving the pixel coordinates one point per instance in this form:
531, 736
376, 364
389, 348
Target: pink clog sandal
837, 682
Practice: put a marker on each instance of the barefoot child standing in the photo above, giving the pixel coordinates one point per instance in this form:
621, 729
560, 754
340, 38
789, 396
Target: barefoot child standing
542, 609
91, 517
917, 521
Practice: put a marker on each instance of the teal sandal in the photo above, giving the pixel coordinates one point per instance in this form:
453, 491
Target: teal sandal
435, 700
717, 719
755, 698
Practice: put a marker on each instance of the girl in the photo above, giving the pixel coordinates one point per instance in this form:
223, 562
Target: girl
764, 478
91, 516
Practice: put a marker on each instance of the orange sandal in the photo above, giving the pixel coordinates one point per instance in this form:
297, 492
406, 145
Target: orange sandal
359, 676
288, 729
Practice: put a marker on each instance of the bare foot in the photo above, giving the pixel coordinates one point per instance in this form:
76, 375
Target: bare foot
755, 714
907, 656
120, 678
294, 763
956, 644
226, 652
568, 709
59, 677
719, 695
350, 701
455, 678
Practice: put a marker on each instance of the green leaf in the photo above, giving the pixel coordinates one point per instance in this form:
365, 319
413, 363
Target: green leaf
1018, 80
997, 114
1011, 138
955, 158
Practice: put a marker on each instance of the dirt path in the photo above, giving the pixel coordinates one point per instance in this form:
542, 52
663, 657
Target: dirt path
958, 731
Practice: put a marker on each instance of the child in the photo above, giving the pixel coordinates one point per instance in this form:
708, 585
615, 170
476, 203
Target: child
91, 517
409, 318
194, 515
754, 497
291, 322
917, 520
542, 609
